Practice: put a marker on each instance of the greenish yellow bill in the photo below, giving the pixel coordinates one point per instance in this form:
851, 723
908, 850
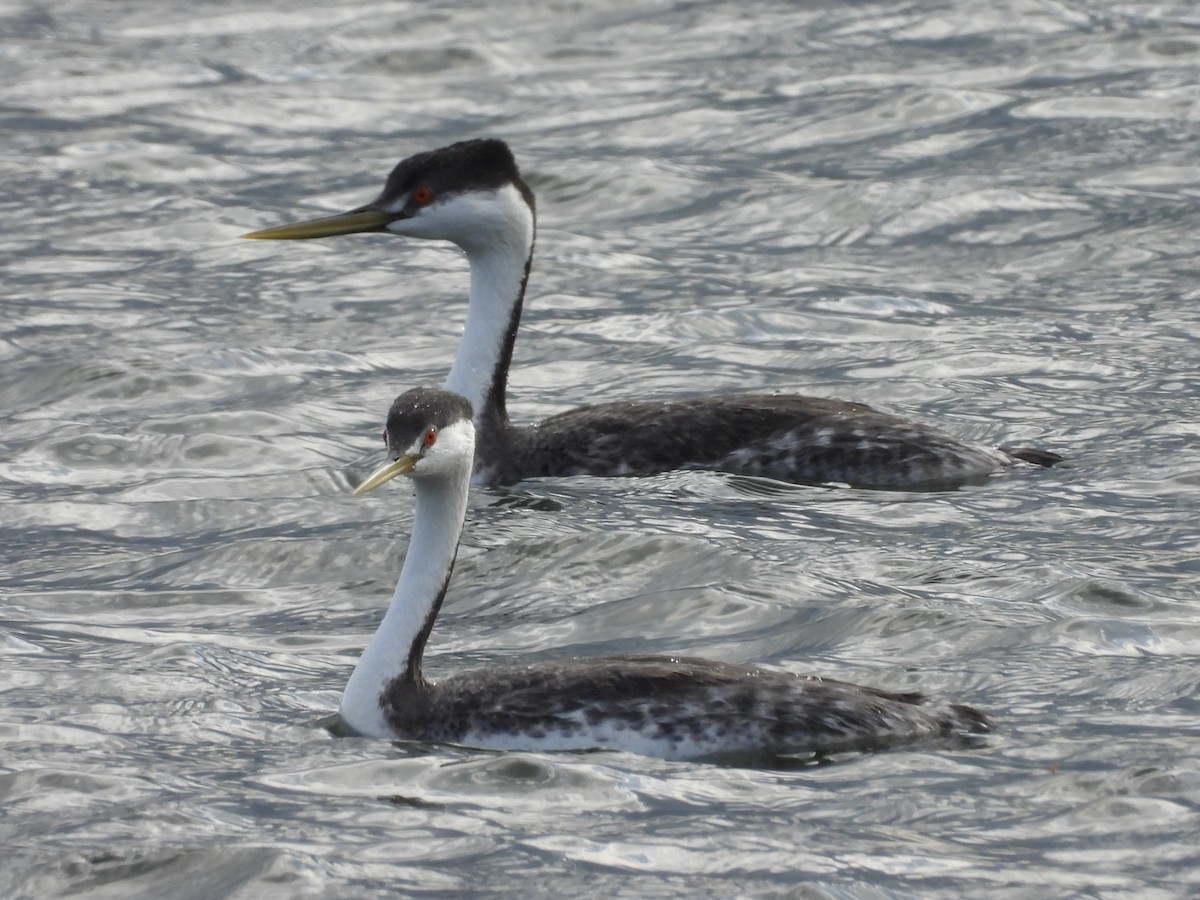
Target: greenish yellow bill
387, 472
327, 226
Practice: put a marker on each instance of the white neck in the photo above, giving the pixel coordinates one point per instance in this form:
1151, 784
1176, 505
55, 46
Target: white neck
498, 249
394, 652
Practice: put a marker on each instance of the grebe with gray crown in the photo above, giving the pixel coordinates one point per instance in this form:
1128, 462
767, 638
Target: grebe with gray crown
472, 195
669, 707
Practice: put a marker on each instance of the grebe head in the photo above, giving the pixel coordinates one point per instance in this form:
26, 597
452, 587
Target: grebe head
469, 193
428, 434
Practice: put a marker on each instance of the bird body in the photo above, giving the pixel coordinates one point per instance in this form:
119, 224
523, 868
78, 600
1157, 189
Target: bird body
795, 438
472, 194
671, 707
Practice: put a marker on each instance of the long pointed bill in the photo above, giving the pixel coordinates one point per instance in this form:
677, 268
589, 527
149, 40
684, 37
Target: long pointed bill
353, 222
387, 472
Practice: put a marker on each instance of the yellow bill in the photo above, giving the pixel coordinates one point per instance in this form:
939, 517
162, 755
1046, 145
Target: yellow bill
387, 472
354, 222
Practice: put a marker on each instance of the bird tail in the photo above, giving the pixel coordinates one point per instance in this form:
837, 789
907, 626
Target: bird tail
968, 720
1043, 458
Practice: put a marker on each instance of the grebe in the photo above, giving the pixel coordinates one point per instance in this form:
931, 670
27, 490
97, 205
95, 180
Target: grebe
472, 195
670, 707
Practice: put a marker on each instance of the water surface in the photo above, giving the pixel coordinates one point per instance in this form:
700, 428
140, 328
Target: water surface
983, 218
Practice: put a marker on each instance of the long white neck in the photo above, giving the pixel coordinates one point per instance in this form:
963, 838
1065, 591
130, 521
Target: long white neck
499, 250
395, 650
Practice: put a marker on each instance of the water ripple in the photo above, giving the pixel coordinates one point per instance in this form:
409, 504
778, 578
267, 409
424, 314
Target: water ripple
982, 218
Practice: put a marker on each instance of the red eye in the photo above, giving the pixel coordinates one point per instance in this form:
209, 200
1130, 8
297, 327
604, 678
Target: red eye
430, 436
421, 195
385, 443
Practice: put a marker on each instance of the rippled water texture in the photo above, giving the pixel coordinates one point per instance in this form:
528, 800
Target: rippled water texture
983, 216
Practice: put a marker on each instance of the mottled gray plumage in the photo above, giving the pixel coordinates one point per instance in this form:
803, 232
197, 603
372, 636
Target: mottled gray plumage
789, 437
686, 707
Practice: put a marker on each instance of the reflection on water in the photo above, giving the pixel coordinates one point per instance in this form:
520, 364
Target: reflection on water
981, 218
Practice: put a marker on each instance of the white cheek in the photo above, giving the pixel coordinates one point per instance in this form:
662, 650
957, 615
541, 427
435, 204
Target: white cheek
475, 220
424, 224
453, 451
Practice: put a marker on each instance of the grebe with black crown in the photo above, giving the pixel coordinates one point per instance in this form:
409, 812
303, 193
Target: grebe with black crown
669, 707
472, 195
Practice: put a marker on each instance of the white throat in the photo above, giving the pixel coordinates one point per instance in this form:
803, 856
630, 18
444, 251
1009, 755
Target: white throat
498, 244
437, 523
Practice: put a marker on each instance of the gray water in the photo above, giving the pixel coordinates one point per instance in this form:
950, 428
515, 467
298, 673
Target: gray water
982, 216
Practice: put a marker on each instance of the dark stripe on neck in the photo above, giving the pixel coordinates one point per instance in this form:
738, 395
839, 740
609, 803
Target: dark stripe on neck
495, 407
412, 671
405, 699
493, 419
